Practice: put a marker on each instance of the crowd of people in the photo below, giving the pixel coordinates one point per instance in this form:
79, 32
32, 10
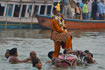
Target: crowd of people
65, 59
85, 10
91, 9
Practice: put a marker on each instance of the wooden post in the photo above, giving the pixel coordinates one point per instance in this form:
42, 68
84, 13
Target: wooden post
32, 19
45, 12
5, 10
6, 15
13, 10
20, 17
20, 14
32, 16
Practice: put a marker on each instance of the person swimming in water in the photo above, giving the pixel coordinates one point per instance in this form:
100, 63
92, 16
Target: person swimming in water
36, 64
50, 55
89, 57
33, 55
13, 57
60, 62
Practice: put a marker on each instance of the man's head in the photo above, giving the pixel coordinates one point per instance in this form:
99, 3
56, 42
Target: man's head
57, 13
50, 54
78, 4
88, 54
7, 53
33, 55
13, 52
37, 63
56, 10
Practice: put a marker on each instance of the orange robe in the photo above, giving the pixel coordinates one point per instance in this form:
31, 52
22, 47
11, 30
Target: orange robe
56, 27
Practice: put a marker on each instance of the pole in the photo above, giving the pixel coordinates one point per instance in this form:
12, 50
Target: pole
20, 14
6, 16
32, 20
20, 18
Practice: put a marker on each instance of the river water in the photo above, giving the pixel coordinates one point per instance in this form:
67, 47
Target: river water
39, 40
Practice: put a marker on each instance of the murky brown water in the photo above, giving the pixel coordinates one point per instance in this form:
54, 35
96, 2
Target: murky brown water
38, 40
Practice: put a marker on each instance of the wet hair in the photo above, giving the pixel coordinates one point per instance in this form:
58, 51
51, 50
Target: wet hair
13, 51
60, 53
91, 55
64, 52
86, 51
50, 54
8, 50
35, 61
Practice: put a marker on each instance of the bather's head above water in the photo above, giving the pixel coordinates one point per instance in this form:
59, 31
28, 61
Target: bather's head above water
37, 63
13, 52
50, 54
7, 53
33, 55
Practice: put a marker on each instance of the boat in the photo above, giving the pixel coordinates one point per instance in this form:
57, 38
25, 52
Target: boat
46, 23
16, 14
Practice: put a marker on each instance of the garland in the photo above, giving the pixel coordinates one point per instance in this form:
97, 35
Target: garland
60, 22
